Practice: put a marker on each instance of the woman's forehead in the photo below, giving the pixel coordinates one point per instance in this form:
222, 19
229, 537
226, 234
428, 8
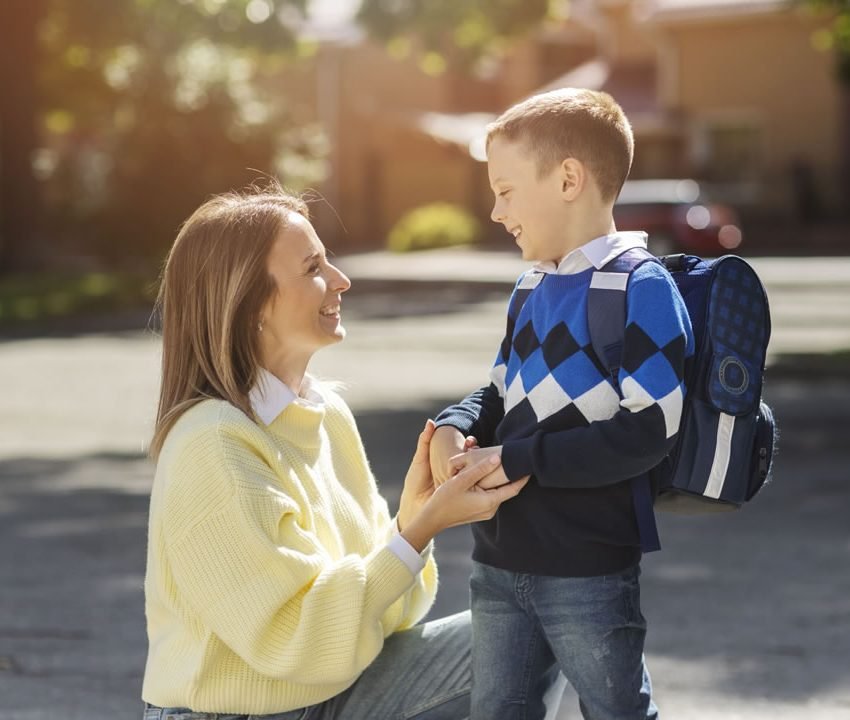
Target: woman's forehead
298, 238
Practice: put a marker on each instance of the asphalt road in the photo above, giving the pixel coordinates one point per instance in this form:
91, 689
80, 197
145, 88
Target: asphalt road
749, 612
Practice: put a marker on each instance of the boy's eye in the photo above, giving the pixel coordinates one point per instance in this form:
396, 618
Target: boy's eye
503, 193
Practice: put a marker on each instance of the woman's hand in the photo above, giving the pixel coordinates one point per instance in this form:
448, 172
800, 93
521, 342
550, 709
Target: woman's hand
475, 455
418, 483
425, 510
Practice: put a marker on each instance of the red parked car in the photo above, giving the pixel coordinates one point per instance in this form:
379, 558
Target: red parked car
679, 217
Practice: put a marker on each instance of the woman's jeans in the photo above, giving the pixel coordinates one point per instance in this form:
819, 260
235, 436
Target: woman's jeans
422, 674
526, 627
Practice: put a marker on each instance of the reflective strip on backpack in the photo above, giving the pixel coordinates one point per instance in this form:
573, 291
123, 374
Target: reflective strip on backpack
722, 451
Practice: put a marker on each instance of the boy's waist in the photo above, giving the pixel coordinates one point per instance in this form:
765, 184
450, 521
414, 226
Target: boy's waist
583, 560
562, 532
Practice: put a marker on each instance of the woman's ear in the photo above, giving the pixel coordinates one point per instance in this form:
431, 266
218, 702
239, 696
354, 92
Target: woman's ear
572, 176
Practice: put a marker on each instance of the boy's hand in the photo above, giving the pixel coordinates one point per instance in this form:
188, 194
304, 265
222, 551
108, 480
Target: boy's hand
445, 444
475, 455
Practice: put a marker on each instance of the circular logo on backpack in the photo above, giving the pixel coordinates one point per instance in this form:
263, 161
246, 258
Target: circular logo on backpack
733, 375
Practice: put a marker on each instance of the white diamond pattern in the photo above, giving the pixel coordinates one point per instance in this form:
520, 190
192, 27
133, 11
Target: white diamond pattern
671, 406
547, 398
514, 394
598, 403
635, 397
497, 377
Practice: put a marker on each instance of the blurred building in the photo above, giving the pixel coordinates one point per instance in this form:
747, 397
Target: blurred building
731, 93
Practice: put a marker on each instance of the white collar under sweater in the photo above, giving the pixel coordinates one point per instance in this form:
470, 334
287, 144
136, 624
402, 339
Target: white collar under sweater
595, 253
270, 395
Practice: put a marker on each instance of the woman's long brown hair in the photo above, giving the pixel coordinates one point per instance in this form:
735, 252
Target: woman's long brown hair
211, 296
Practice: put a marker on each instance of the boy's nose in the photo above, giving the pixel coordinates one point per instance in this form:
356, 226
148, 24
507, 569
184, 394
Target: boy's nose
496, 215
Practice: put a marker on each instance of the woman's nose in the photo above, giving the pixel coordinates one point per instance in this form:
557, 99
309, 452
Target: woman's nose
341, 283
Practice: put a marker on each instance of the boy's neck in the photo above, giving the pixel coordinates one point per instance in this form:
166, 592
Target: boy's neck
582, 233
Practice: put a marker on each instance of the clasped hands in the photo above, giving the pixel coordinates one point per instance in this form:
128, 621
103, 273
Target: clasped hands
450, 453
439, 494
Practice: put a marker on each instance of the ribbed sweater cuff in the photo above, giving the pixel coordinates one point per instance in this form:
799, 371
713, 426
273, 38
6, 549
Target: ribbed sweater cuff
459, 421
516, 458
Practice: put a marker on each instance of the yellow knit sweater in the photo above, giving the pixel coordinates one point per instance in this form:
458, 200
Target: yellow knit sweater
269, 584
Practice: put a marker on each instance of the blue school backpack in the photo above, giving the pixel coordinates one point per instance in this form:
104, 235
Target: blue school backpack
724, 450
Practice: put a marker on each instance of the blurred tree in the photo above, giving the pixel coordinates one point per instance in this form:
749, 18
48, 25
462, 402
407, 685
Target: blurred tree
19, 191
837, 36
144, 108
117, 117
462, 30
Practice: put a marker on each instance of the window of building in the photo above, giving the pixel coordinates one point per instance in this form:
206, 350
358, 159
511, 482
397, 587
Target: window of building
730, 150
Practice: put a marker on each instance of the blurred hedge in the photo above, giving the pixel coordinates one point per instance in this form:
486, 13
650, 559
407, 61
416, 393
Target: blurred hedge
434, 226
36, 298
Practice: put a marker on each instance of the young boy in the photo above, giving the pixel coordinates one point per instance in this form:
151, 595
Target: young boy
555, 572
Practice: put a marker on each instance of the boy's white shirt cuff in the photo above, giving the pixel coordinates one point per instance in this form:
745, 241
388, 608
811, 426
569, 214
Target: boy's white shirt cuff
405, 552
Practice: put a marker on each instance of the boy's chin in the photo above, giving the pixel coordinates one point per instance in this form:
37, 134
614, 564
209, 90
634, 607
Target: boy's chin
527, 253
530, 256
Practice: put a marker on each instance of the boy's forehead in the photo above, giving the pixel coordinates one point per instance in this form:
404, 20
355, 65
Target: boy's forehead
503, 157
502, 145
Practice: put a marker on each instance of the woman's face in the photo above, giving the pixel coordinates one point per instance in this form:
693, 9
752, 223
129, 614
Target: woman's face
304, 314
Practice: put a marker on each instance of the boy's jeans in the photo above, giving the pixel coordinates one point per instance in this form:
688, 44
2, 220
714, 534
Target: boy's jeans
525, 627
421, 674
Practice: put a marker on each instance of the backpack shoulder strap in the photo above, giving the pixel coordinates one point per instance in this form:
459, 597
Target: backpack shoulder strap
606, 306
606, 320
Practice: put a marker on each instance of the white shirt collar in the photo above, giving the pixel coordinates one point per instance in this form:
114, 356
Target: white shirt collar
596, 253
270, 396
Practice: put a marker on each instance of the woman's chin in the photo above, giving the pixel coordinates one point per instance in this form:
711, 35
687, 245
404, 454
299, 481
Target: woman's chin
336, 333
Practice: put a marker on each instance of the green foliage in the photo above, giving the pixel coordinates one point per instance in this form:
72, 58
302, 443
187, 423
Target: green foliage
464, 29
434, 226
837, 36
152, 105
34, 298
146, 107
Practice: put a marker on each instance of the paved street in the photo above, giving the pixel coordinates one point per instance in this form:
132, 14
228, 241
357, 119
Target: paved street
749, 613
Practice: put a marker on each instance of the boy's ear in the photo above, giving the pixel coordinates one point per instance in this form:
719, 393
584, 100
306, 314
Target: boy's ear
572, 176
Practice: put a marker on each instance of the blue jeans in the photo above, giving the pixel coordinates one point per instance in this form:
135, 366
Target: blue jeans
526, 627
421, 674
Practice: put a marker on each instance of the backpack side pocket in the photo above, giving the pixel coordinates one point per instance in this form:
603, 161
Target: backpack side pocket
763, 449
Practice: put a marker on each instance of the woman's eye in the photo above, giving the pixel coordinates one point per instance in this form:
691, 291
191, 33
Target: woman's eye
314, 268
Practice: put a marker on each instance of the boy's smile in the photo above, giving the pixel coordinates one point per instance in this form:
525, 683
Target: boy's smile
529, 206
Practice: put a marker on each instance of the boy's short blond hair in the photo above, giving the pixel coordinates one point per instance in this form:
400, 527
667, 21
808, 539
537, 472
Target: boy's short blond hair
572, 123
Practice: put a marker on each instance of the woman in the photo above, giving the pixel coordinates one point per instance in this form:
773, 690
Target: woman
276, 578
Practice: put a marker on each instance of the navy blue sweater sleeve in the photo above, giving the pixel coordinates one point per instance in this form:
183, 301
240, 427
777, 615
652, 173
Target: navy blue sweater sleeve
478, 414
658, 340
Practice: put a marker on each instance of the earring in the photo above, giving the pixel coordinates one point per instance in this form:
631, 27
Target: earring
260, 326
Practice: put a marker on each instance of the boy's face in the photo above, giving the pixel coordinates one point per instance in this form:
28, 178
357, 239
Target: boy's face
531, 208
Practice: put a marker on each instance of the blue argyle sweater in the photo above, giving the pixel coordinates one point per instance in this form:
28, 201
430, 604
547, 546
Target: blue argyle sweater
560, 418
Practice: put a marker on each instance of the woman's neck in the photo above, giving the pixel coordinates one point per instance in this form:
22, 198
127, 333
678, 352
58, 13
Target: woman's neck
289, 372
